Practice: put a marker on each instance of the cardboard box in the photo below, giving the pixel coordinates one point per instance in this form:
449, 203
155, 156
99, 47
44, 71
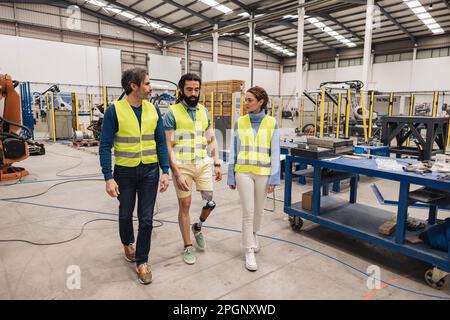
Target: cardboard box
388, 227
307, 200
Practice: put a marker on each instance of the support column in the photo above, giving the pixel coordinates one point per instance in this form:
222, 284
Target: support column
367, 43
215, 36
305, 84
251, 47
402, 105
186, 55
100, 56
299, 68
336, 66
413, 66
16, 25
164, 48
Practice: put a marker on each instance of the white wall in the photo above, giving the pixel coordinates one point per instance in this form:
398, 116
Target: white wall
287, 86
403, 76
431, 74
392, 76
37, 60
268, 79
164, 67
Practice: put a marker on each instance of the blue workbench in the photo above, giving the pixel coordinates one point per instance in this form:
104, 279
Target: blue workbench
360, 220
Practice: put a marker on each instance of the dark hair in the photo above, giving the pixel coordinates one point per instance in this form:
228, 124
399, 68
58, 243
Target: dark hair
135, 75
182, 82
260, 94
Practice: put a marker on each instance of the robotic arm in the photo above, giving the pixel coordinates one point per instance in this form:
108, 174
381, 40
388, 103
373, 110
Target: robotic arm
11, 110
13, 145
356, 85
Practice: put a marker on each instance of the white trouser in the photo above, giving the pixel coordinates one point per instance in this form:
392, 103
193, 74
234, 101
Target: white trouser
252, 193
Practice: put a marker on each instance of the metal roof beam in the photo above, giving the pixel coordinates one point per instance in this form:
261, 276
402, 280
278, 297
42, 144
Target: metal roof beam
262, 33
116, 22
392, 19
243, 42
136, 3
126, 8
293, 26
241, 5
189, 10
447, 3
241, 24
330, 18
276, 40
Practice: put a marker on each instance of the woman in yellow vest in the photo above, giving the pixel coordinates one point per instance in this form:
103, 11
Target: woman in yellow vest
254, 166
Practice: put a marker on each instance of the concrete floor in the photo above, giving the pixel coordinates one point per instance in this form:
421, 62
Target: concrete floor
316, 263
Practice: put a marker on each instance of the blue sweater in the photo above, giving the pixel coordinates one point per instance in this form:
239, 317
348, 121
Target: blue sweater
256, 119
111, 126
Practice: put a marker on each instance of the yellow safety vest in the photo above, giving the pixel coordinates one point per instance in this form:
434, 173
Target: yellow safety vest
254, 152
134, 144
189, 142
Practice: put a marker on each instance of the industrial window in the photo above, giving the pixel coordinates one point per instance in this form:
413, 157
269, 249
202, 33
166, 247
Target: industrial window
380, 59
424, 54
350, 62
288, 69
443, 52
404, 56
433, 53
321, 65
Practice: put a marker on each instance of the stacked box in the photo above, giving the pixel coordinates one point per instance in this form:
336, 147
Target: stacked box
226, 88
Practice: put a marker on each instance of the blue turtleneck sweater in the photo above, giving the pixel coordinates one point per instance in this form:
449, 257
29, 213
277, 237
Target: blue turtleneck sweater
256, 119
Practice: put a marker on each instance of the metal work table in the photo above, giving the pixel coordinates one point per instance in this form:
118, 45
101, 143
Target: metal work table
403, 128
362, 221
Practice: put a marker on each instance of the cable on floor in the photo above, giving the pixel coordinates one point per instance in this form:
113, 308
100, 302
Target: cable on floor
58, 174
51, 187
59, 242
306, 248
161, 223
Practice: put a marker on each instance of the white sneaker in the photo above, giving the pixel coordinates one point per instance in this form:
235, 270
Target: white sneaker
250, 261
257, 244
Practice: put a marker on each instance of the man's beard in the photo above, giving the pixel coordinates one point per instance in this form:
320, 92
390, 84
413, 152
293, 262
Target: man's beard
192, 101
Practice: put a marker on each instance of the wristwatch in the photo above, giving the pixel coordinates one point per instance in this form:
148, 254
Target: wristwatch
217, 165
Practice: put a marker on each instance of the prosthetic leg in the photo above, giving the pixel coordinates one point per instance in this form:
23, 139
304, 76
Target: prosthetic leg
206, 210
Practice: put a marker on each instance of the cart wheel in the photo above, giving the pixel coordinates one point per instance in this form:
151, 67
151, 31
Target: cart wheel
296, 223
439, 285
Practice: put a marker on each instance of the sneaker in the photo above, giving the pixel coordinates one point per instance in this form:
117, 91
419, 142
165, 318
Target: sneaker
257, 244
130, 253
144, 273
189, 255
199, 237
250, 261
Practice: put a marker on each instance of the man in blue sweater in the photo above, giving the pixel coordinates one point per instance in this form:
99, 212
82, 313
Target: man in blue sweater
134, 128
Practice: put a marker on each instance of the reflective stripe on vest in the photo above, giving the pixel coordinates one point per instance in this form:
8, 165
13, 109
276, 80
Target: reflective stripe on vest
254, 152
134, 144
189, 141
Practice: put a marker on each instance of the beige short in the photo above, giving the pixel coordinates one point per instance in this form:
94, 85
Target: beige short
200, 173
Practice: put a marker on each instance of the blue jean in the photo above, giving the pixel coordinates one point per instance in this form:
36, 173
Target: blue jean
143, 181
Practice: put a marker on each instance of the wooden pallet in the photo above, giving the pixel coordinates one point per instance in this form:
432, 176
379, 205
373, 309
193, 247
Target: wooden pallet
86, 143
